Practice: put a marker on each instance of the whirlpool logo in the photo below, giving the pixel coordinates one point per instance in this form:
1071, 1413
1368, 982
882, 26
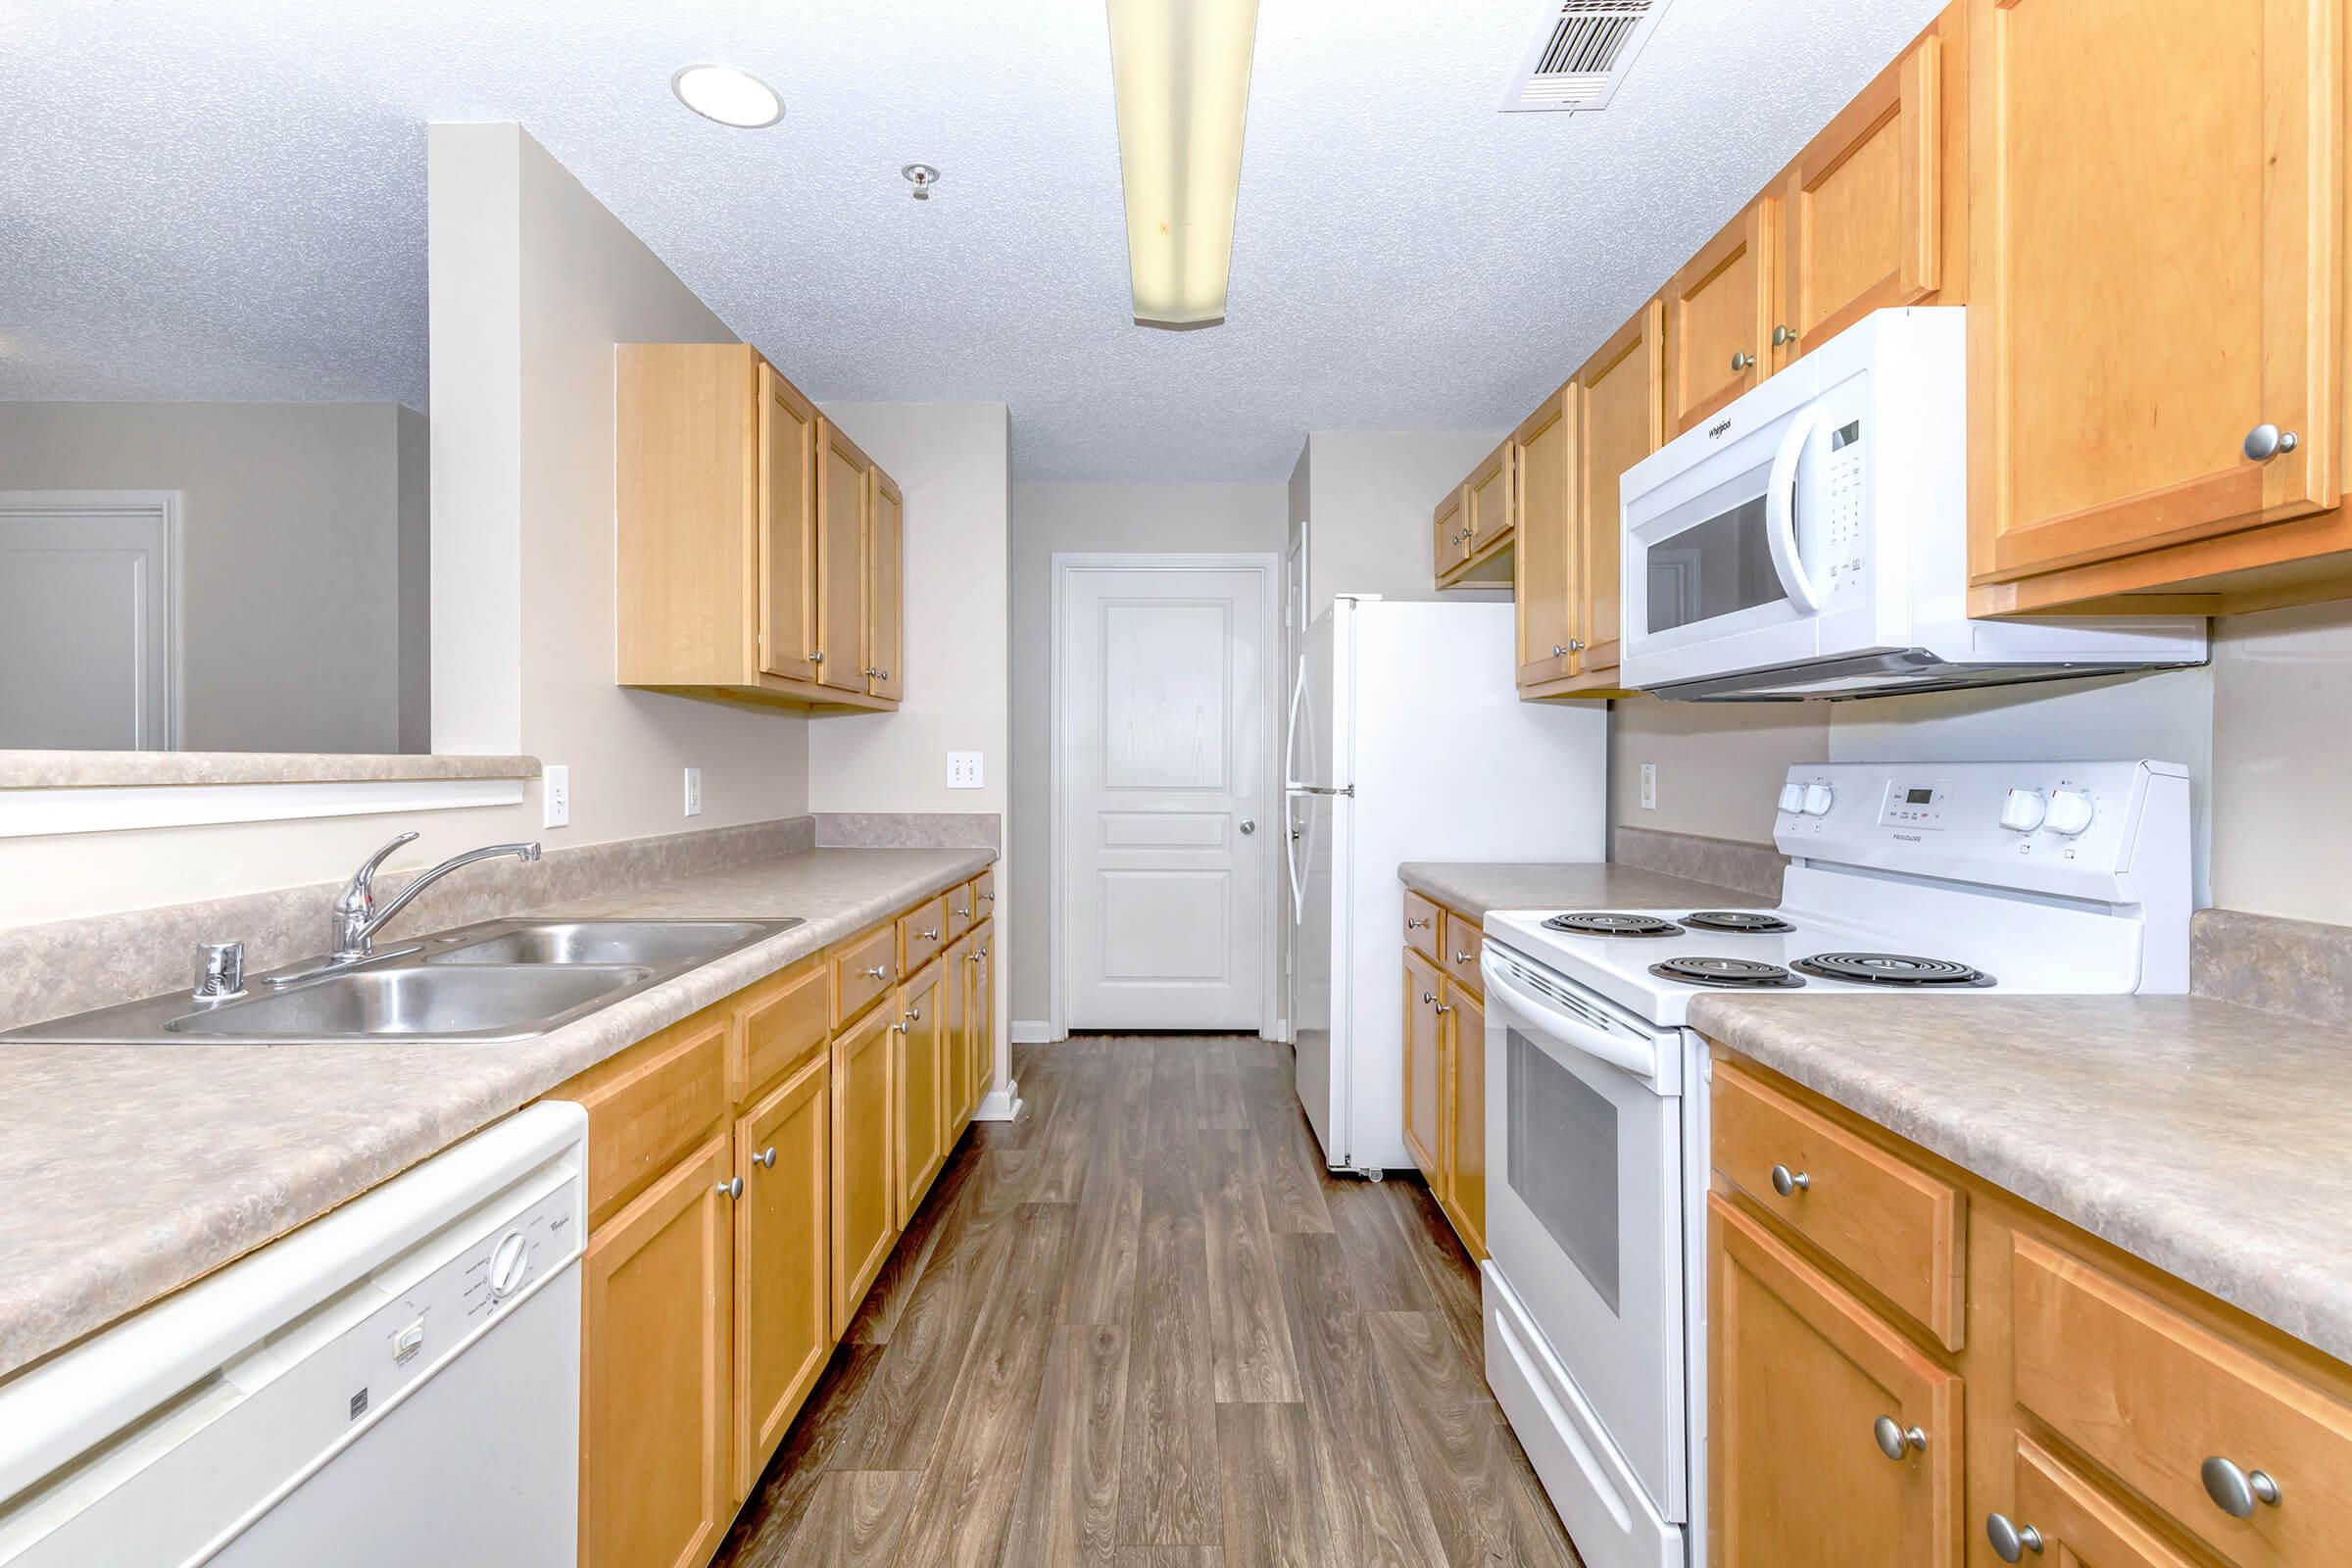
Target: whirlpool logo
1717, 428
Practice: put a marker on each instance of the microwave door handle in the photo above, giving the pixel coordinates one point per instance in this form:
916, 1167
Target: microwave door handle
1640, 1058
1779, 513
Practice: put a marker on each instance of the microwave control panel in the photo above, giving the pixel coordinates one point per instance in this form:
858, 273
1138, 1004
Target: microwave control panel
1842, 509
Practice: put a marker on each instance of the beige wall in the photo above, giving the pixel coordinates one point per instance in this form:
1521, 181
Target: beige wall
1720, 764
2282, 753
1370, 494
1140, 518
290, 562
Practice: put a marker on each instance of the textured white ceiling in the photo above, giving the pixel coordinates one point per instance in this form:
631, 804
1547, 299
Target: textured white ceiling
225, 199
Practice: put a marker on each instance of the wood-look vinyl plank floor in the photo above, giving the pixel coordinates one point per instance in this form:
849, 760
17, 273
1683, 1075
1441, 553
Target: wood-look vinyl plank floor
1142, 1327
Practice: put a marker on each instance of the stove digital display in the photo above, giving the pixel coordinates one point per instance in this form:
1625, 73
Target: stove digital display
1918, 797
1911, 808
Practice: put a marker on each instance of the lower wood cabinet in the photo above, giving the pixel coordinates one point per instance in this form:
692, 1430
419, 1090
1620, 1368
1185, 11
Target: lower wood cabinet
866, 1216
1465, 1157
983, 1041
956, 988
1424, 1063
1446, 1064
920, 1102
657, 1474
783, 1236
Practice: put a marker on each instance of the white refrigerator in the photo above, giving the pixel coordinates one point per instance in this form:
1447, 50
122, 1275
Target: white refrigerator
1407, 741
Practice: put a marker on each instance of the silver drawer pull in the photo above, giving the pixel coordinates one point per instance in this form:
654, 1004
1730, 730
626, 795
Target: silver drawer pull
2266, 441
880, 971
1788, 1182
931, 935
1897, 1443
1413, 922
1459, 957
2235, 1491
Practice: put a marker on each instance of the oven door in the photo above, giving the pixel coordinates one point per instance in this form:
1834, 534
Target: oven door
1725, 548
1585, 1207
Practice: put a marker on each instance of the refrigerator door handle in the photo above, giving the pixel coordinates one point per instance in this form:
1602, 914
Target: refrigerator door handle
1290, 735
1347, 790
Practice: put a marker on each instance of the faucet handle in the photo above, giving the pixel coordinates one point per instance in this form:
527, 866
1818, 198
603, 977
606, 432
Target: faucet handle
220, 970
360, 892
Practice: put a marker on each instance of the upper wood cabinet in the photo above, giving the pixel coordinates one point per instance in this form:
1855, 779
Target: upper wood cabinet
1475, 523
1719, 313
2155, 217
1548, 530
1861, 207
885, 589
740, 553
1449, 532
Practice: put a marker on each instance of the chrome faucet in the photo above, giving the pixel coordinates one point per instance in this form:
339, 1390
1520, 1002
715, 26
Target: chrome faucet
357, 915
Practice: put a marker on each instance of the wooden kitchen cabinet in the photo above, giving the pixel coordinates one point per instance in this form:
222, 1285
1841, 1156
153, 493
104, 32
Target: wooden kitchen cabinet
2155, 273
730, 533
1799, 1374
1449, 533
783, 1305
1465, 1156
955, 1044
984, 1012
1424, 1066
864, 1157
657, 1473
2076, 1521
843, 470
919, 1087
1478, 521
1548, 539
885, 587
1719, 310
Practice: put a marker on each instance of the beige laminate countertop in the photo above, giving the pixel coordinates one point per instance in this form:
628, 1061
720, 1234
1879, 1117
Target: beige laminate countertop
126, 1171
1479, 887
2211, 1140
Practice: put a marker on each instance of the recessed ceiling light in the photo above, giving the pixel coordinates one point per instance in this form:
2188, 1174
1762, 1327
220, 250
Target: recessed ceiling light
729, 96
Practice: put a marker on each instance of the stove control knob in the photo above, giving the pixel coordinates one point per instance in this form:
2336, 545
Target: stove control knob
2071, 812
1817, 799
2022, 811
1793, 798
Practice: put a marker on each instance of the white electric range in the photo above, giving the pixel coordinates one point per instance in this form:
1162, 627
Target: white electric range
1907, 879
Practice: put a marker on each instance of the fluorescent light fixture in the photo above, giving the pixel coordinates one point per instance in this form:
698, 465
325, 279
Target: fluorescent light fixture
1181, 73
729, 96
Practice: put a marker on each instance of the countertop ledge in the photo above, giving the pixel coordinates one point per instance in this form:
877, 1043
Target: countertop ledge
128, 1171
2203, 1137
1480, 887
53, 770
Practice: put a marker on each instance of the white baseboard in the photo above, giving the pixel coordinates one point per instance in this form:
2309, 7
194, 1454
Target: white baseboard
1034, 1032
1000, 1105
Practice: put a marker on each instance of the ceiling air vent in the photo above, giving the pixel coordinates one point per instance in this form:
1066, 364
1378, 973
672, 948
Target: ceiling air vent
1581, 52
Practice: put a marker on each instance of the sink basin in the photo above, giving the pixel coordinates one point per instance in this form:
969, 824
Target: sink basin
443, 1004
656, 942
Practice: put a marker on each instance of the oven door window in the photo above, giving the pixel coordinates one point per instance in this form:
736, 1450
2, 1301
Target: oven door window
1719, 566
1563, 1162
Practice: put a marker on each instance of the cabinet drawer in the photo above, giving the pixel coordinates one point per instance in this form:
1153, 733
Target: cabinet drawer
964, 904
1463, 939
663, 1099
984, 894
2154, 1396
862, 970
1895, 1226
783, 1021
922, 933
1422, 922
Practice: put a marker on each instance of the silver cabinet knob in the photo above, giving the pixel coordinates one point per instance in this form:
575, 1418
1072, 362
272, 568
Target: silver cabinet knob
1442, 1010
1559, 651
1415, 922
1897, 1441
1742, 361
817, 657
732, 1188
1248, 825
899, 1028
931, 935
964, 912
2010, 1543
1428, 997
2266, 441
1782, 336
1788, 1182
1576, 645
873, 671
914, 1014
988, 897
2235, 1491
880, 971
1459, 957
766, 1157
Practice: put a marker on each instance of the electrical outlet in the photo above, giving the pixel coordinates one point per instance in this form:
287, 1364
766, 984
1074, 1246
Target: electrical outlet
694, 791
963, 770
554, 794
1649, 786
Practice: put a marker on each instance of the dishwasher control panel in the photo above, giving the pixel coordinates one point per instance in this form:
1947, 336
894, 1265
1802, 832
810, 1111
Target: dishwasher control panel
496, 1267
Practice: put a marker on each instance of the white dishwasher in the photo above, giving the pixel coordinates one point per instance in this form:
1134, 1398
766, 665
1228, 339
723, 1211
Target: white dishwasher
395, 1385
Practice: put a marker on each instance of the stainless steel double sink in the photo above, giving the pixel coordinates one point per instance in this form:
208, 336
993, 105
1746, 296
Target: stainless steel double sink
500, 980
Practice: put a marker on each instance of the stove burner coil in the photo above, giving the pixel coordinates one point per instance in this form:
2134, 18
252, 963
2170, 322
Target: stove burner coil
1613, 925
1891, 969
1745, 922
1729, 973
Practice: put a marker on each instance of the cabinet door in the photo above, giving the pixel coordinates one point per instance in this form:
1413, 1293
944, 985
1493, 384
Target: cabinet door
783, 1308
1466, 1118
2153, 219
841, 471
885, 596
1544, 558
865, 1156
1424, 1064
956, 1049
1621, 407
1489, 507
787, 528
984, 1014
1861, 213
1719, 318
2078, 1524
1799, 1374
920, 1032
657, 1293
1450, 529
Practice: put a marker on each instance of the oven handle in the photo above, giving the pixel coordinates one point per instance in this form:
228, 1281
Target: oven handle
1638, 1058
1780, 511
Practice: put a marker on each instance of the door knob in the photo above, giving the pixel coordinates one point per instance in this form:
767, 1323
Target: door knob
2266, 441
1248, 825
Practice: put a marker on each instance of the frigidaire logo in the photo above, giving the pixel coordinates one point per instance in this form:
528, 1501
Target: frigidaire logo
1717, 428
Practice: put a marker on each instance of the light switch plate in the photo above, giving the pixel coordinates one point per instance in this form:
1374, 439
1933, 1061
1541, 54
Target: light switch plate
694, 791
1649, 786
554, 794
963, 770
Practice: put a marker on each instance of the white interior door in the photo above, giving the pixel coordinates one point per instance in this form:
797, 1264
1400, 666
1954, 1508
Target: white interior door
1169, 808
85, 623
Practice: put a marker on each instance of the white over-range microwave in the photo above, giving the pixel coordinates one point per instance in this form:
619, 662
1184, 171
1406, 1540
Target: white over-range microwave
1811, 540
